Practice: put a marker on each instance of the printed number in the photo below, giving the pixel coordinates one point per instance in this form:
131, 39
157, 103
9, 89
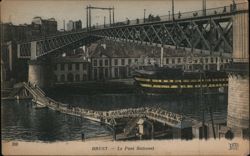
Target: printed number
233, 146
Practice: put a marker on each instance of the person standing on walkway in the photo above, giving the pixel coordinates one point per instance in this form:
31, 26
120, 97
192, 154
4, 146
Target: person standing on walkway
83, 136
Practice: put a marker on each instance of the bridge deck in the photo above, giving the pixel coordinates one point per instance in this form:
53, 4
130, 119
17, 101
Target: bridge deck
156, 114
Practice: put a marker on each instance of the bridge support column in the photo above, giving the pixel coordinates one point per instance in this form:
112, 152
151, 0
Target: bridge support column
33, 51
39, 74
238, 83
240, 37
238, 103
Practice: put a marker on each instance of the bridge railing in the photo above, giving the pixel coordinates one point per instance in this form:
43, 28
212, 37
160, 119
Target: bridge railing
178, 16
56, 34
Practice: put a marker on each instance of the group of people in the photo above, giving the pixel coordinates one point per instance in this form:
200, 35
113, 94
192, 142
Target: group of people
126, 111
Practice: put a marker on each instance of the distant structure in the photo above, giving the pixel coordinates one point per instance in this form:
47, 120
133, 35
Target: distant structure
74, 25
12, 32
119, 60
23, 32
73, 68
43, 26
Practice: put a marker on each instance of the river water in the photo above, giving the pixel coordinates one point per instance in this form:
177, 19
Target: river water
21, 121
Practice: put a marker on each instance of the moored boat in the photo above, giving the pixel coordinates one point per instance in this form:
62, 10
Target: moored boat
163, 80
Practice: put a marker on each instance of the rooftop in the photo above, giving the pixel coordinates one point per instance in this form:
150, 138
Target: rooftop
130, 50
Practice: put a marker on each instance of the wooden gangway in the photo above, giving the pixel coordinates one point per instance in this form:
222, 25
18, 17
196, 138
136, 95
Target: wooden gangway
108, 117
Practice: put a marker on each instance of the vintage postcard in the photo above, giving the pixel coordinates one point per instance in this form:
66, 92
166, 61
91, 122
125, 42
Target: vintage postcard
124, 77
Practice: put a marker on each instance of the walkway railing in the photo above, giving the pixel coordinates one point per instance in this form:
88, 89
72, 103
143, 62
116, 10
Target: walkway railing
180, 16
152, 113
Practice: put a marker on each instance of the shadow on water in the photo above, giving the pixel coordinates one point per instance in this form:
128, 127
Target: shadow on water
20, 121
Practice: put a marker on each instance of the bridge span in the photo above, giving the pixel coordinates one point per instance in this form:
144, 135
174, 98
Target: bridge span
212, 33
108, 117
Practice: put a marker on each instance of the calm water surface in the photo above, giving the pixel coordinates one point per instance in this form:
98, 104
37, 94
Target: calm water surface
20, 121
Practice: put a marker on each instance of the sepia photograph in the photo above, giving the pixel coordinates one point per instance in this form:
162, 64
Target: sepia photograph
125, 77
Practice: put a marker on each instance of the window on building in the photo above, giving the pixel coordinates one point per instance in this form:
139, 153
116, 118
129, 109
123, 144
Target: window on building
116, 73
129, 61
62, 78
136, 60
77, 66
101, 74
100, 63
201, 60
95, 63
84, 77
167, 61
179, 60
212, 60
129, 72
206, 60
70, 77
77, 77
149, 62
95, 74
173, 61
106, 72
216, 59
62, 66
84, 66
106, 62
69, 66
55, 78
123, 62
116, 62
55, 67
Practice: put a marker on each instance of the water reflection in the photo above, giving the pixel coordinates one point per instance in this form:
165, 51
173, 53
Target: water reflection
20, 121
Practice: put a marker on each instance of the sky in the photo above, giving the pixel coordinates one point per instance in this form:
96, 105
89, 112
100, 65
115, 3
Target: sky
22, 11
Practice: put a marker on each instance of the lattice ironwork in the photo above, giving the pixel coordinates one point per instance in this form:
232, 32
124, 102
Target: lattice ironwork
195, 31
210, 34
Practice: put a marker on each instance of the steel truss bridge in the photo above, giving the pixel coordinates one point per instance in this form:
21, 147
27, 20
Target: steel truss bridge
209, 34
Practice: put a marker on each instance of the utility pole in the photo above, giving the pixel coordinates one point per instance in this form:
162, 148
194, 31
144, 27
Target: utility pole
90, 16
173, 9
104, 22
169, 15
110, 16
111, 11
113, 15
204, 7
87, 17
144, 15
63, 25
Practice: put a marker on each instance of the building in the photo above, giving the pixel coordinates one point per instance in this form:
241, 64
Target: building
3, 72
74, 25
41, 27
72, 69
119, 60
12, 32
23, 32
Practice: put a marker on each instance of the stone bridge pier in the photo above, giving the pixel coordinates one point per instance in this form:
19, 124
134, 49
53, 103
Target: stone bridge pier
40, 73
238, 83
